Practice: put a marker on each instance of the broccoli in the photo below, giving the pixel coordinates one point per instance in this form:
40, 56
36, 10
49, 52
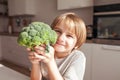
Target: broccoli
37, 33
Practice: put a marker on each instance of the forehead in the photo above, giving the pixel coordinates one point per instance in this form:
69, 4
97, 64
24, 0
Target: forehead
67, 25
66, 28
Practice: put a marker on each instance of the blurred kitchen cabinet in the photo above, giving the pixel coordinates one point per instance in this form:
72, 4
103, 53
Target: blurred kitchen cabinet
102, 61
106, 2
3, 8
87, 49
71, 4
21, 7
0, 49
105, 62
12, 52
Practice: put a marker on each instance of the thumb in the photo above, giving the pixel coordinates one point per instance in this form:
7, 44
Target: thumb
51, 50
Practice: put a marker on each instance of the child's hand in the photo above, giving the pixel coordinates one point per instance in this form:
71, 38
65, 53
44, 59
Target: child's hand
31, 56
42, 55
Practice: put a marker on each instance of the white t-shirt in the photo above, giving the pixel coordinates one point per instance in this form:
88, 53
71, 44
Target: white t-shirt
71, 67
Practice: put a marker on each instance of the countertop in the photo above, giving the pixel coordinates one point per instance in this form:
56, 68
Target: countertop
9, 34
104, 41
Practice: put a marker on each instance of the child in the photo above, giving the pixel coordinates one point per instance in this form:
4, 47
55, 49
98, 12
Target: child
64, 61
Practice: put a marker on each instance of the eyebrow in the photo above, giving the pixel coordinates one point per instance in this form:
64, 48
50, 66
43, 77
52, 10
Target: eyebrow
71, 33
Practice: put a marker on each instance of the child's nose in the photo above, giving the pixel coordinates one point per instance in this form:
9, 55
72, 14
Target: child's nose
62, 37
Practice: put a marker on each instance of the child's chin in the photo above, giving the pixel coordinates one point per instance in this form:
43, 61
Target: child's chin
60, 49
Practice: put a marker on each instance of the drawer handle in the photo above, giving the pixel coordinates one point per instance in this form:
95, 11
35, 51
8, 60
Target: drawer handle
109, 47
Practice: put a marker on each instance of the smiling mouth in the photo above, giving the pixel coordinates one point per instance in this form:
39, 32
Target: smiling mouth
60, 44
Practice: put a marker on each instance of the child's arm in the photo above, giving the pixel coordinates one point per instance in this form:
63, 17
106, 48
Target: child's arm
35, 72
53, 71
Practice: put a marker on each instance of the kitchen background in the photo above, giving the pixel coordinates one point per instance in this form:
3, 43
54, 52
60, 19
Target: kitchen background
102, 55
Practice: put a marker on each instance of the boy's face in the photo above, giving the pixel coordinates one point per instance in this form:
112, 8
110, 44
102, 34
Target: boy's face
66, 40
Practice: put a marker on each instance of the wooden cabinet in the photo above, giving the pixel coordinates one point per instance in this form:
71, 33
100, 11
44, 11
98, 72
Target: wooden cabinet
21, 7
105, 62
71, 4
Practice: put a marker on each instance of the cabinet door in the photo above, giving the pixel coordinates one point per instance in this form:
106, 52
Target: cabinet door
87, 50
106, 62
21, 7
71, 4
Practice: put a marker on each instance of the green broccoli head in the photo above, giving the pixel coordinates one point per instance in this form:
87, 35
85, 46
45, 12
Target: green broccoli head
37, 33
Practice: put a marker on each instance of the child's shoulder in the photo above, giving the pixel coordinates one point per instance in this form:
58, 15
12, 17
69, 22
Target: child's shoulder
78, 53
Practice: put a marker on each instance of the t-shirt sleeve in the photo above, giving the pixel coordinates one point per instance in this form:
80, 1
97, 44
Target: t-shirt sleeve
76, 70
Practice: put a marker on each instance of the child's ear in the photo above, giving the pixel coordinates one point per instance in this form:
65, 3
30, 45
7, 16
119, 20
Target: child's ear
75, 47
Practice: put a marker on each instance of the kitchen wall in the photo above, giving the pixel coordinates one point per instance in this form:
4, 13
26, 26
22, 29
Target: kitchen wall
46, 10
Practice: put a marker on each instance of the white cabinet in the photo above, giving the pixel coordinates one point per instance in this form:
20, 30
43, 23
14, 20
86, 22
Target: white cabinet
106, 62
21, 7
103, 61
12, 52
71, 4
87, 49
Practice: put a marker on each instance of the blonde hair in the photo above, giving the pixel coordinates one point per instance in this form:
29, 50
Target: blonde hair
79, 26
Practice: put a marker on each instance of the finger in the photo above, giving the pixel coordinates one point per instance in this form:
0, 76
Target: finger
31, 53
39, 56
51, 52
34, 60
43, 45
28, 49
39, 50
51, 49
31, 57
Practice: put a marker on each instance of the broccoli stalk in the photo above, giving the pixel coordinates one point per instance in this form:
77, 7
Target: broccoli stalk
37, 33
47, 48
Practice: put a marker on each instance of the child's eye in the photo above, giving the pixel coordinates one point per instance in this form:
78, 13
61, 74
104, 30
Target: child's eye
57, 31
69, 36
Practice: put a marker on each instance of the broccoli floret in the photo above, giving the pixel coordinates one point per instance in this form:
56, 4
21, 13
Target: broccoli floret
37, 33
